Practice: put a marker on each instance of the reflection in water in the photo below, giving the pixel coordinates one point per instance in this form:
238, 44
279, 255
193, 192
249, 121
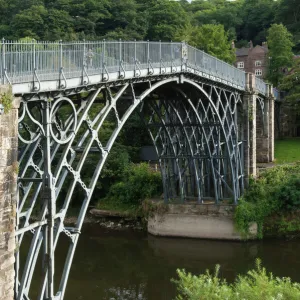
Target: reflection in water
110, 265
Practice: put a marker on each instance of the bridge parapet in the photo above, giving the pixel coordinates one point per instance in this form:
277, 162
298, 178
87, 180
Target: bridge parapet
28, 64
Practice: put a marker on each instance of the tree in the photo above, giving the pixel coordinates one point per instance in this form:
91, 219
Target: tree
291, 84
289, 14
257, 16
280, 51
29, 22
165, 19
58, 25
218, 12
210, 38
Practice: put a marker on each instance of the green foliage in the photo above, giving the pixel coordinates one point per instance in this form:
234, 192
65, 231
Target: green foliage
289, 225
138, 183
6, 100
165, 19
257, 284
280, 52
291, 84
257, 16
210, 38
288, 13
276, 190
289, 194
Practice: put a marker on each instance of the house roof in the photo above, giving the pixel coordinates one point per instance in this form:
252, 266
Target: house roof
242, 51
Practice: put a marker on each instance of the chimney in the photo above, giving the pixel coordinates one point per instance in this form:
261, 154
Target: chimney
250, 45
265, 45
232, 45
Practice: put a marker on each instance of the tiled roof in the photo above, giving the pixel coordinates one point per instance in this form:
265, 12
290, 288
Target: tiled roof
242, 51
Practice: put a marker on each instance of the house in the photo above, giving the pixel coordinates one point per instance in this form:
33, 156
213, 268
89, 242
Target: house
253, 59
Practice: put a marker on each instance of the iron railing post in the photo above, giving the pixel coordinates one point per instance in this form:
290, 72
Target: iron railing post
33, 63
3, 62
183, 56
120, 57
33, 58
160, 58
196, 67
135, 62
60, 63
171, 47
148, 57
103, 59
83, 61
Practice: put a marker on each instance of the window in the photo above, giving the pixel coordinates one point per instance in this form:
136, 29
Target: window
240, 65
258, 72
257, 63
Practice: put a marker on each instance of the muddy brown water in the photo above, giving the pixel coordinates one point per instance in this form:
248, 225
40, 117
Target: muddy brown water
113, 265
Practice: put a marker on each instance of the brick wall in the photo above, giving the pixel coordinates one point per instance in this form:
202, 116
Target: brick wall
8, 179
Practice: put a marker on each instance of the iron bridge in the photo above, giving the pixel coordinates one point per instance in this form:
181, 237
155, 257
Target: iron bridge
191, 103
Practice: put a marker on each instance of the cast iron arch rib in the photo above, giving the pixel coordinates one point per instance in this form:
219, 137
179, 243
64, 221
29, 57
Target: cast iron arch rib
62, 152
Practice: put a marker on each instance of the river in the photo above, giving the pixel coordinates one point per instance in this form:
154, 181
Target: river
111, 265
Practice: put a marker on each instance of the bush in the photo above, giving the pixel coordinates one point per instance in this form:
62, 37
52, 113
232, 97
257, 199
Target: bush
257, 284
138, 183
276, 190
289, 193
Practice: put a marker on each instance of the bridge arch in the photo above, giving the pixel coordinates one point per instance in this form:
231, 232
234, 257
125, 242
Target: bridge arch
186, 141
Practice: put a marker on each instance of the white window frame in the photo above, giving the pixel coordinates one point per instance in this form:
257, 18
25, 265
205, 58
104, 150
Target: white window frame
258, 63
240, 65
258, 72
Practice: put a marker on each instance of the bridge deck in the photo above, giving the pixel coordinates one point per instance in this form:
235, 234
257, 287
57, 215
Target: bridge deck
33, 67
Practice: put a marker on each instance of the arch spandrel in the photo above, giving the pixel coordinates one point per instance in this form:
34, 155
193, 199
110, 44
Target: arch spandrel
195, 137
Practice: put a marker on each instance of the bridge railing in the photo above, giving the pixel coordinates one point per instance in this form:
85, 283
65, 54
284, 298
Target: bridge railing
260, 86
215, 67
27, 61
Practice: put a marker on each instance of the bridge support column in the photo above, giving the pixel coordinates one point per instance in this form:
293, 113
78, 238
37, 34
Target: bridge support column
8, 185
249, 108
271, 123
265, 128
262, 131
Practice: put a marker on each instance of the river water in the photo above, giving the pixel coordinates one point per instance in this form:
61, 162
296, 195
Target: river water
111, 265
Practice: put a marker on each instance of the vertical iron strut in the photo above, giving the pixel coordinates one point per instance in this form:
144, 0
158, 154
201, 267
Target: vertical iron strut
195, 129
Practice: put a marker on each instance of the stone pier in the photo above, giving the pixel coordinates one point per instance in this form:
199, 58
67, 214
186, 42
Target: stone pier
258, 127
8, 185
265, 128
204, 221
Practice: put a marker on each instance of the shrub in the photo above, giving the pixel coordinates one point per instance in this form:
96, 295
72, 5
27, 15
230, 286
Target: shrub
276, 190
257, 284
138, 183
289, 194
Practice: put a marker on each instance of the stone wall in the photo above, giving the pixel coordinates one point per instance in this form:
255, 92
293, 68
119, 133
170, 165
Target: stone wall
206, 221
8, 180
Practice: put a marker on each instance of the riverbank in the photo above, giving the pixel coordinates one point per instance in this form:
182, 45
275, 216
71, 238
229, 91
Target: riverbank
285, 225
110, 219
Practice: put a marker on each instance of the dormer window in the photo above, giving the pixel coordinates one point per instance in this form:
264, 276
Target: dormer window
257, 63
240, 65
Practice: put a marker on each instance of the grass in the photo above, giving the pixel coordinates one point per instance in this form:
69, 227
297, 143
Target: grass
287, 150
120, 207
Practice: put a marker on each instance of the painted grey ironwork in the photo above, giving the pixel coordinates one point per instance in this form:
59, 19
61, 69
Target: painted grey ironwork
36, 62
197, 136
189, 101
